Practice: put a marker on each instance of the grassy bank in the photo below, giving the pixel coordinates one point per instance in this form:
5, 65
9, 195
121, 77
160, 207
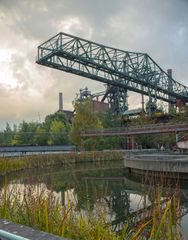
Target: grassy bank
8, 165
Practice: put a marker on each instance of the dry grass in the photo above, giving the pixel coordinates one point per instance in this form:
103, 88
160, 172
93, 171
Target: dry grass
8, 165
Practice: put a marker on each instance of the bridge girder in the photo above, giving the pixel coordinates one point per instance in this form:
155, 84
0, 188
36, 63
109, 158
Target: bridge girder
134, 71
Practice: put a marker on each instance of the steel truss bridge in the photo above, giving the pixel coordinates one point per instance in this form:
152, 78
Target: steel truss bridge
124, 70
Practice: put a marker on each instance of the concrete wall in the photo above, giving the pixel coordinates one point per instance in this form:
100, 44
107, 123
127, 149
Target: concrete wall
160, 163
25, 232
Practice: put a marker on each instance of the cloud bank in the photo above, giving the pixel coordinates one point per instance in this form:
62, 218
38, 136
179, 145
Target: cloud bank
28, 90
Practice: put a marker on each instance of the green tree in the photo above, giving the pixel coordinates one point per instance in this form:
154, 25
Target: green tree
110, 120
7, 135
25, 133
58, 127
41, 136
58, 133
84, 119
57, 116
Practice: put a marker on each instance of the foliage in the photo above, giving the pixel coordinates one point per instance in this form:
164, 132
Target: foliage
40, 136
110, 120
25, 133
101, 143
53, 131
56, 117
84, 119
7, 135
58, 134
57, 130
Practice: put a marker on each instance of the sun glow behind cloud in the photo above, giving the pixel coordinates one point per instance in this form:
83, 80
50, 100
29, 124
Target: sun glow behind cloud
6, 75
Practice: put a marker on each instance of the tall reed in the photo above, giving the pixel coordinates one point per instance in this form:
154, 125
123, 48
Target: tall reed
40, 208
8, 164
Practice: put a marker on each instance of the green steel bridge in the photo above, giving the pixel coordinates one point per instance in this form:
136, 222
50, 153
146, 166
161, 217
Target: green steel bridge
125, 70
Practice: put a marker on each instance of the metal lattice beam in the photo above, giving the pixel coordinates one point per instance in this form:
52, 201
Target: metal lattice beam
136, 72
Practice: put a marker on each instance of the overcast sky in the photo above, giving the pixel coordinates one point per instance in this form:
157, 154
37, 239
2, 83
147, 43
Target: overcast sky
29, 91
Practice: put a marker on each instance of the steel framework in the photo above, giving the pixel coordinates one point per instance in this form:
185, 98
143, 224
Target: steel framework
139, 130
134, 71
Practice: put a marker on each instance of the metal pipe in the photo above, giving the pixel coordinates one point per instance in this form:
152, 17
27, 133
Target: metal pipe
11, 236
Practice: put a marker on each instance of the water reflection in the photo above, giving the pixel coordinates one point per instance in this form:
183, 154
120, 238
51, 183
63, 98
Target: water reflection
105, 187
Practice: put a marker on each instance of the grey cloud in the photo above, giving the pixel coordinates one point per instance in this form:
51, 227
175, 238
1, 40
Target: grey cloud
156, 27
34, 18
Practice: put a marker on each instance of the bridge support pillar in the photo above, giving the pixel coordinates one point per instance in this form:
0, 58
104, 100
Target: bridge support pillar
130, 142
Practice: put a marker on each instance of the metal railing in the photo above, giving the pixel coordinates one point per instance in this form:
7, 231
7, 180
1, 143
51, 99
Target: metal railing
10, 236
142, 128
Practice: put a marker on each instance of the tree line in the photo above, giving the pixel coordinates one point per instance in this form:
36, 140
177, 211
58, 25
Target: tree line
53, 131
57, 130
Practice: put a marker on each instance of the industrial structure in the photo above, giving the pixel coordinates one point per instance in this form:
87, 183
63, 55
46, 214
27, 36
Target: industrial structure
97, 106
68, 113
120, 70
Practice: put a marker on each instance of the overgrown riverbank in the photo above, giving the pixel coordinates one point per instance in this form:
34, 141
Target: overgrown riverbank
38, 206
34, 207
8, 165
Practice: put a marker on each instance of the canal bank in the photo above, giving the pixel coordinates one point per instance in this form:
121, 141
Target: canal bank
175, 165
40, 161
94, 187
14, 231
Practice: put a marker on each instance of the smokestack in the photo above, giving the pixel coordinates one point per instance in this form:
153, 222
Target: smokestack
142, 102
170, 88
169, 72
60, 101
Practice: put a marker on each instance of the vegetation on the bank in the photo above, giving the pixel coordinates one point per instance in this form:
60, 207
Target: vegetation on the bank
53, 131
8, 165
163, 219
39, 208
84, 119
57, 130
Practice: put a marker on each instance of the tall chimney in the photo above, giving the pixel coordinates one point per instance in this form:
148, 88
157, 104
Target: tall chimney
170, 88
169, 72
60, 101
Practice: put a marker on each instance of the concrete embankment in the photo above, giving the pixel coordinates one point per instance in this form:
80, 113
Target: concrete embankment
157, 162
10, 230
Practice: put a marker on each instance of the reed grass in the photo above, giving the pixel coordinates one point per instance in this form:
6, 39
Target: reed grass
36, 207
12, 164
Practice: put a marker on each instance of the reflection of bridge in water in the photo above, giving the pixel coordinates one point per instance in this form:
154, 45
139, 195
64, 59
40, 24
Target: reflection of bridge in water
133, 218
108, 185
141, 215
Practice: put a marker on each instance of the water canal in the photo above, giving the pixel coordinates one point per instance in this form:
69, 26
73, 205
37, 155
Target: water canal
105, 186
